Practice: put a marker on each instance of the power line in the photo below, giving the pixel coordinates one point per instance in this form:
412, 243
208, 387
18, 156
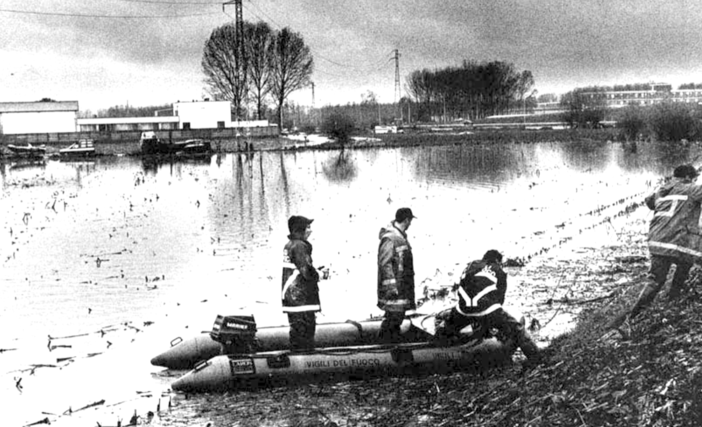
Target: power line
80, 15
175, 3
316, 55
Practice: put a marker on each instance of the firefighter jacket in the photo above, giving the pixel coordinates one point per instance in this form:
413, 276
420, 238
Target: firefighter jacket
482, 289
395, 271
674, 229
300, 291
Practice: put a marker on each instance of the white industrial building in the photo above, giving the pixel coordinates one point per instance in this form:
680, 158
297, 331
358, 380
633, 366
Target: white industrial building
185, 116
62, 117
38, 117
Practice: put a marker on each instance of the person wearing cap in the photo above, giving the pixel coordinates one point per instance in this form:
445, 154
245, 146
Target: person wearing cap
673, 235
300, 291
481, 295
395, 275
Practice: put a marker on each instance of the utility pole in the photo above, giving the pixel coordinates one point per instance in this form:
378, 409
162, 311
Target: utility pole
238, 24
240, 52
314, 113
398, 93
312, 84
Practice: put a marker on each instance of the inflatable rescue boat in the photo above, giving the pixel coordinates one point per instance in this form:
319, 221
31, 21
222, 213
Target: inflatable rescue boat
244, 355
185, 354
242, 370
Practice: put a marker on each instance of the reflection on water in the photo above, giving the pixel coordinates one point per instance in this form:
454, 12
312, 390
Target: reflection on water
340, 168
83, 237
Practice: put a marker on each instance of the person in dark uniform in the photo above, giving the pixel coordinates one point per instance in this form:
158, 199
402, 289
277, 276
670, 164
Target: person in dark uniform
395, 275
300, 290
481, 294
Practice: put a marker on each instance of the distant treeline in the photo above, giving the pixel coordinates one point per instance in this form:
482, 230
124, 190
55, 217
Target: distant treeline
129, 111
472, 90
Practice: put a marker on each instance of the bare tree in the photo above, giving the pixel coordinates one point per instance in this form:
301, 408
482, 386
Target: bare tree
225, 71
259, 54
292, 67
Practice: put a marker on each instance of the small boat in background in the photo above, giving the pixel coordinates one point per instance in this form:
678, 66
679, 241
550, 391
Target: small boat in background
28, 150
194, 148
151, 144
82, 148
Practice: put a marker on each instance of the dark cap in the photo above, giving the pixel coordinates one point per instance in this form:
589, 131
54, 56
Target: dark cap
684, 171
298, 223
403, 213
492, 256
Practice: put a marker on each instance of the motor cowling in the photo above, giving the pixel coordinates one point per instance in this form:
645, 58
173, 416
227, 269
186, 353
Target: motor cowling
236, 333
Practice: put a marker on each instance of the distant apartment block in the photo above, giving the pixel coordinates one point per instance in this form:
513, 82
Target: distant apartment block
650, 94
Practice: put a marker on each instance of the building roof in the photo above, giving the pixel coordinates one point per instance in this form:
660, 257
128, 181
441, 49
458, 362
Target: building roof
128, 120
38, 107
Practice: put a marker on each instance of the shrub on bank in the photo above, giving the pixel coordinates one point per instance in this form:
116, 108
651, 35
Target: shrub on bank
338, 126
632, 123
674, 122
666, 122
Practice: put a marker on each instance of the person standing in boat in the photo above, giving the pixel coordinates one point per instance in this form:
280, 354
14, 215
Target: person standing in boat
300, 291
395, 275
481, 293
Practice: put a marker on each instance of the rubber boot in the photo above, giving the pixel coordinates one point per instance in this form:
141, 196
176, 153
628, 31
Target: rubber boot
646, 297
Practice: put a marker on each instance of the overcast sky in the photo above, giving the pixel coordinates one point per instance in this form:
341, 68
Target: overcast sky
114, 52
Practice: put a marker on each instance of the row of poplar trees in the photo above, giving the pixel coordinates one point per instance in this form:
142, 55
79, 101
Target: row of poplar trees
270, 66
472, 90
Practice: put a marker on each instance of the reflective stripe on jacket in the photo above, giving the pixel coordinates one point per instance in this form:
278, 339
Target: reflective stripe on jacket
300, 290
674, 229
482, 289
395, 271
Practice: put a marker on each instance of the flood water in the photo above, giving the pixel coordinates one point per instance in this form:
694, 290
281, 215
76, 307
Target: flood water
119, 247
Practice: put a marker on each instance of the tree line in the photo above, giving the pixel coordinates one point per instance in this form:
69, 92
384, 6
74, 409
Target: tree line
259, 66
473, 90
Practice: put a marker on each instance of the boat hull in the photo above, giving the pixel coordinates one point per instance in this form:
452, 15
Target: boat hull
78, 153
242, 371
185, 354
27, 151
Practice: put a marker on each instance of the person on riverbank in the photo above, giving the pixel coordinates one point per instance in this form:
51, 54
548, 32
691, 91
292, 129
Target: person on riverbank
300, 291
395, 275
481, 294
673, 236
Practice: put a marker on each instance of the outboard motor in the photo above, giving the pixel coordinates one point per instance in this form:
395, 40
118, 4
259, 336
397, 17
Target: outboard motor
235, 333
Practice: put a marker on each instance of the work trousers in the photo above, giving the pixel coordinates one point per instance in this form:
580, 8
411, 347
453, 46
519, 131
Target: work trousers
498, 319
660, 265
390, 327
302, 329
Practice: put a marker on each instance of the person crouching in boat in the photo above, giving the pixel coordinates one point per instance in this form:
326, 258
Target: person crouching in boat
481, 293
300, 292
395, 275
